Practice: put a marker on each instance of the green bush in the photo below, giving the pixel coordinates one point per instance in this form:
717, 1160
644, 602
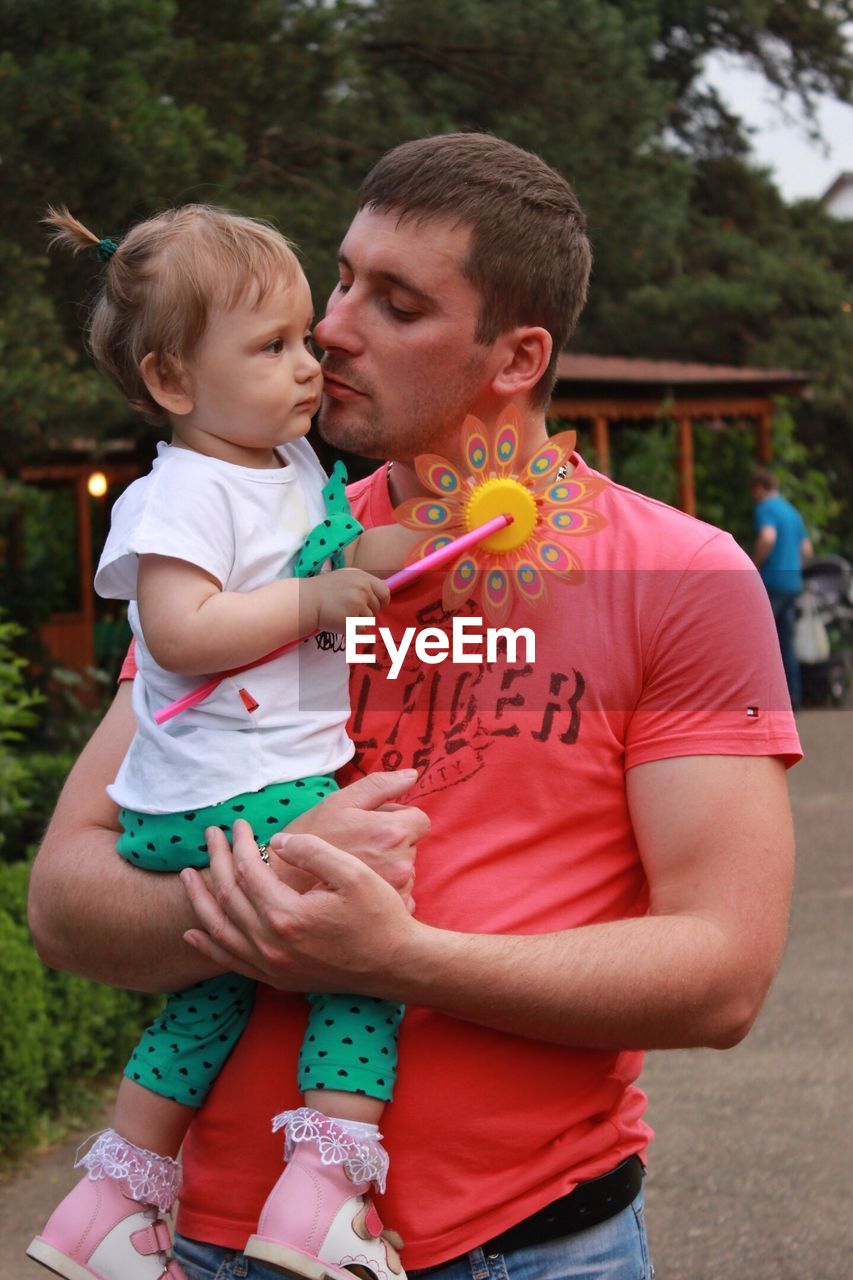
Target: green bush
42, 774
23, 1033
58, 1032
17, 714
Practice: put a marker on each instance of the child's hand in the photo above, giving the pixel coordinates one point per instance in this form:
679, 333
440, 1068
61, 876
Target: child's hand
347, 593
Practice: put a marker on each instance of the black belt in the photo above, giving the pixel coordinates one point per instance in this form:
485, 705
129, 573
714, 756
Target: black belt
586, 1206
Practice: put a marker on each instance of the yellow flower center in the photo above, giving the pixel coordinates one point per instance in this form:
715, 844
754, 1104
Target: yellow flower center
502, 496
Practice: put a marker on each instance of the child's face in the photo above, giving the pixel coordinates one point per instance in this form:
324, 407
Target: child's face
254, 381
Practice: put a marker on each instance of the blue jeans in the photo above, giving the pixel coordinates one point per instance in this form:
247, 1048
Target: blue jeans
784, 615
614, 1250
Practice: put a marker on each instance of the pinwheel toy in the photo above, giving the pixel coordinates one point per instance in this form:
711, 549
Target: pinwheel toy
545, 504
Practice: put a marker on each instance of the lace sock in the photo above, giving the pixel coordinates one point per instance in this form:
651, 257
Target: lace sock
350, 1143
147, 1177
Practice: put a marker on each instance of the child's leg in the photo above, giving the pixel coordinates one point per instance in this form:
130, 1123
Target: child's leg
109, 1224
318, 1219
150, 1121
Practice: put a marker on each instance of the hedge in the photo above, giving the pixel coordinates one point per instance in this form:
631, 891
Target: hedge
58, 1033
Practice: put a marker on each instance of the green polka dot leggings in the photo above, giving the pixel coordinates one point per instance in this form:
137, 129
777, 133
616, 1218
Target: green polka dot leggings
350, 1041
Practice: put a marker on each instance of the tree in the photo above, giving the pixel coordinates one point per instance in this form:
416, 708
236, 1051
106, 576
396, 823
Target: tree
85, 119
278, 108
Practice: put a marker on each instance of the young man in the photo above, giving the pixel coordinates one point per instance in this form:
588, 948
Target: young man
609, 862
781, 545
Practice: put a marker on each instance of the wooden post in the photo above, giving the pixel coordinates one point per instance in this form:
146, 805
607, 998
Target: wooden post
601, 440
763, 438
686, 478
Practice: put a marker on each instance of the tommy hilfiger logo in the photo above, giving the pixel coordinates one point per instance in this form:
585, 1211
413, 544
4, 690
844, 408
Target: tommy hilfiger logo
752, 713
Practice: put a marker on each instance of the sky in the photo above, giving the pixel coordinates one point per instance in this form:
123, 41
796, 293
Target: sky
802, 168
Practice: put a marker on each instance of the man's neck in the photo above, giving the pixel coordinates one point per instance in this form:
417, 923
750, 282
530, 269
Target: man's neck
403, 481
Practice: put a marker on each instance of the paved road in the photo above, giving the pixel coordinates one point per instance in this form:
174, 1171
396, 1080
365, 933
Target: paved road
750, 1176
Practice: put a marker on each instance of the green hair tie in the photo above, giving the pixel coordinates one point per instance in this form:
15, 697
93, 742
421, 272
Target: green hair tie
105, 249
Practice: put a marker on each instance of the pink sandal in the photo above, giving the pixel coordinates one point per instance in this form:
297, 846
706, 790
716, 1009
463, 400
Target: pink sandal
110, 1226
317, 1222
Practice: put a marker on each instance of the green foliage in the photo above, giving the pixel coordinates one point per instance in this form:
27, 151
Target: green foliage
17, 714
644, 459
57, 1031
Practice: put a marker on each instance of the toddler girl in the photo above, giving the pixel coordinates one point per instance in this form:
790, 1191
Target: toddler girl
234, 544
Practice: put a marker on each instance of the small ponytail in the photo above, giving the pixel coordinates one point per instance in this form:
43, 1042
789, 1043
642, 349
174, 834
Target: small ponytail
71, 233
68, 232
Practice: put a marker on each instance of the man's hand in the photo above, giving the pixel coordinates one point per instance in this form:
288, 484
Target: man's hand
327, 939
364, 820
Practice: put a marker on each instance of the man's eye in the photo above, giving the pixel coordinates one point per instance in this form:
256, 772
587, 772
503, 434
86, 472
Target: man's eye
400, 313
276, 346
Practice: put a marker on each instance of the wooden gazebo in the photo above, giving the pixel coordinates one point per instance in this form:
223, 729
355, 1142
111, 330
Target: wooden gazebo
607, 390
68, 637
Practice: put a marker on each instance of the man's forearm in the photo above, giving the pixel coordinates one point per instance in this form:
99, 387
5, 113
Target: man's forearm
655, 982
94, 914
90, 911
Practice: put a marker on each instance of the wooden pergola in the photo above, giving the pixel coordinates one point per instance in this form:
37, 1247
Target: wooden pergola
608, 390
68, 637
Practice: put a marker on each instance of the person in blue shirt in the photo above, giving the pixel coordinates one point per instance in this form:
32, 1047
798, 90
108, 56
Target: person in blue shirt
781, 544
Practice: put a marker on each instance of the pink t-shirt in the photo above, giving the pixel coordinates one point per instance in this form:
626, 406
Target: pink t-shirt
667, 649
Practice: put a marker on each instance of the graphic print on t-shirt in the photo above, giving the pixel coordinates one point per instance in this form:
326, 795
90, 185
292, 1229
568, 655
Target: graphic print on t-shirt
447, 716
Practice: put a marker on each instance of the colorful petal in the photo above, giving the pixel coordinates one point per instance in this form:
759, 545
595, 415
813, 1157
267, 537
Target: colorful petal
475, 447
427, 546
557, 559
460, 583
547, 460
573, 520
507, 441
530, 583
495, 594
426, 513
438, 475
575, 489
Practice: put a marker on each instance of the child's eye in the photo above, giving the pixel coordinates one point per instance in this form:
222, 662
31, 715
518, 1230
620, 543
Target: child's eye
309, 343
276, 346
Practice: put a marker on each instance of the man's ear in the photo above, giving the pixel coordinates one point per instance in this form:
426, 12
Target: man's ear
167, 383
524, 356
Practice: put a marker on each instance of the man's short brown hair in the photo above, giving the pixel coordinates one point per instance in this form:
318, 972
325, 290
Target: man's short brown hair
763, 478
529, 256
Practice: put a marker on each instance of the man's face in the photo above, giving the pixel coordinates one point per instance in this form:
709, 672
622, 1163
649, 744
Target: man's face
401, 365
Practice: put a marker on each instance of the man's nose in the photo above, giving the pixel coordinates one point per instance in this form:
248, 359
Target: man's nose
338, 330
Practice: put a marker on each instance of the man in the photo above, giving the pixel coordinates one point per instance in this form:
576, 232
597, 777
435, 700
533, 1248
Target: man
781, 546
610, 856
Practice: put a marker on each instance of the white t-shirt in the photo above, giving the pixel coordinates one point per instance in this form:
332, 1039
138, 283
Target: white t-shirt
244, 527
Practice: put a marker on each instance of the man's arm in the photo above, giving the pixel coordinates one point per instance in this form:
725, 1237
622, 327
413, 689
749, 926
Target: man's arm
90, 911
94, 914
716, 840
764, 543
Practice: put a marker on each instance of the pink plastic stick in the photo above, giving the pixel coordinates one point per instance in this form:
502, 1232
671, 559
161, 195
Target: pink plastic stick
402, 578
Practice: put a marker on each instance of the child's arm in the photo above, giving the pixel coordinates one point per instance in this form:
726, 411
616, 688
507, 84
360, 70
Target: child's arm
192, 627
383, 549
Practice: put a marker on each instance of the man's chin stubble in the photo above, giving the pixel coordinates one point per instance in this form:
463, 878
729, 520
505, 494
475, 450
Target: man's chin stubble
364, 438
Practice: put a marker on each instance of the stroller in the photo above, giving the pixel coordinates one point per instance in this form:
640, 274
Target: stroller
826, 661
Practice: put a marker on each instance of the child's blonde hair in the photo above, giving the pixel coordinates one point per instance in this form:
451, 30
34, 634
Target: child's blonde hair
161, 281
